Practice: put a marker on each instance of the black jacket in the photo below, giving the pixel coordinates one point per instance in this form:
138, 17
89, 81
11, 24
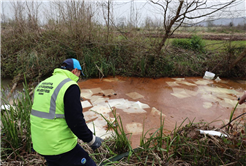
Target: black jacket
74, 114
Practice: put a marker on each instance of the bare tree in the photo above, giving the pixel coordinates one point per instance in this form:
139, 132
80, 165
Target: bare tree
3, 18
175, 13
107, 10
76, 16
32, 13
19, 16
26, 15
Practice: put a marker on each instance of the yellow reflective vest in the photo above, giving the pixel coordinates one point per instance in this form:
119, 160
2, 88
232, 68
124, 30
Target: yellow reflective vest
49, 130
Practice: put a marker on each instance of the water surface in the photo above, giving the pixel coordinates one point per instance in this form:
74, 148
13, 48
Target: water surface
140, 101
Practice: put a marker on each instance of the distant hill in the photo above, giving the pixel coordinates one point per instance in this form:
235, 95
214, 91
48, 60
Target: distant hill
224, 22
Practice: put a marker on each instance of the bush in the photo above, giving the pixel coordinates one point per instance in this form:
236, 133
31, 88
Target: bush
182, 43
195, 43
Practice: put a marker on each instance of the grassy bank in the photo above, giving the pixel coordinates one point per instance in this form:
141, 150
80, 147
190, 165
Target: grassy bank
36, 52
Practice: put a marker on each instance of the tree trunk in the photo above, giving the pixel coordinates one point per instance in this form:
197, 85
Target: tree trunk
165, 37
241, 56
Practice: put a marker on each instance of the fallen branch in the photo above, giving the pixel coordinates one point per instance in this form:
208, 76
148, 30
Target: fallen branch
12, 90
100, 71
17, 78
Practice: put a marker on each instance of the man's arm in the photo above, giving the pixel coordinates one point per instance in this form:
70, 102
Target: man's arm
74, 116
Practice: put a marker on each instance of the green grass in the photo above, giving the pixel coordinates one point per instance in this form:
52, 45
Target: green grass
16, 134
212, 30
232, 113
216, 45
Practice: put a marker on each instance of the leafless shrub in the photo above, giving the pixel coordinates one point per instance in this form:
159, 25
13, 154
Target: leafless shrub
25, 16
75, 17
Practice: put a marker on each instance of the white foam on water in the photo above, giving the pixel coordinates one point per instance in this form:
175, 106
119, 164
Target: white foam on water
86, 93
134, 110
191, 93
187, 83
232, 103
111, 80
90, 115
95, 99
134, 95
118, 103
155, 111
210, 97
172, 84
180, 93
100, 131
224, 95
98, 100
180, 96
211, 89
96, 90
178, 90
128, 106
101, 109
108, 92
203, 82
179, 79
207, 105
142, 105
86, 104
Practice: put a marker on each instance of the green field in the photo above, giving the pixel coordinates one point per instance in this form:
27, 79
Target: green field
217, 45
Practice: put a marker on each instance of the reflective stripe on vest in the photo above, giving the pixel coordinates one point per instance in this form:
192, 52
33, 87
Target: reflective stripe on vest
51, 114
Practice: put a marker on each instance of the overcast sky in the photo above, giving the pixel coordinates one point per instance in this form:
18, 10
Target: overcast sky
136, 10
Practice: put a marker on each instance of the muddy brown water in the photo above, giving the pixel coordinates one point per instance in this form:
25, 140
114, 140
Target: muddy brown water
139, 102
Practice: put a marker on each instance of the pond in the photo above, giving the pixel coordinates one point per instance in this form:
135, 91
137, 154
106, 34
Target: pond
140, 101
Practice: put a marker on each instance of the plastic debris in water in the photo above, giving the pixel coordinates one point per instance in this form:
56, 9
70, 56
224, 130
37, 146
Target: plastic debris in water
213, 133
209, 75
7, 107
217, 79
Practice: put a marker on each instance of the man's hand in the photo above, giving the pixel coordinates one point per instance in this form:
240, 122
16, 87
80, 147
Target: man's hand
242, 99
97, 143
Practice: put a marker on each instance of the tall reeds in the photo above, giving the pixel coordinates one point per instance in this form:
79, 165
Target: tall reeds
16, 133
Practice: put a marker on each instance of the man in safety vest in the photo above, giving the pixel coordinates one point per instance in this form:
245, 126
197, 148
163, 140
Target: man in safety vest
57, 119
